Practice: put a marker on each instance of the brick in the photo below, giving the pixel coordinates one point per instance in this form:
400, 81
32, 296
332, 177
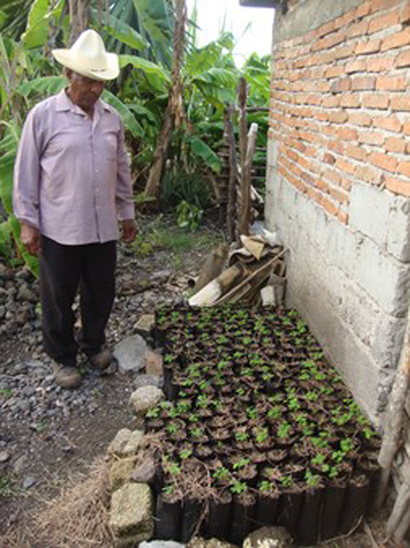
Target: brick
371, 137
403, 59
313, 194
363, 10
322, 115
391, 83
405, 15
400, 103
345, 19
383, 22
331, 175
357, 153
358, 65
321, 185
343, 217
377, 5
404, 169
329, 206
398, 40
397, 186
363, 83
350, 100
345, 52
345, 165
368, 174
360, 119
382, 160
380, 64
395, 144
336, 146
341, 85
375, 100
347, 134
406, 128
357, 29
390, 123
326, 29
365, 48
346, 183
331, 101
335, 72
339, 195
338, 116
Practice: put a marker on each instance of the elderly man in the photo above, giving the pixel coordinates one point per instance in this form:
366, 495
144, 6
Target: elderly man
71, 187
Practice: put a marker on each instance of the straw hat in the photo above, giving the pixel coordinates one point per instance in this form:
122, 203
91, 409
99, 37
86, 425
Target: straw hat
88, 57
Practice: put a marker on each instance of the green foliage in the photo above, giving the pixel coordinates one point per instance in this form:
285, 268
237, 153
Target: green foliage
188, 216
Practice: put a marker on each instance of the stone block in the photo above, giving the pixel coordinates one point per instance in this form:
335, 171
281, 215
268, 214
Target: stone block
398, 227
383, 278
145, 398
131, 516
369, 211
120, 472
274, 537
144, 325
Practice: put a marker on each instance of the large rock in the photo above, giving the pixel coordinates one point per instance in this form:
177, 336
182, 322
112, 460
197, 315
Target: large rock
131, 518
148, 380
269, 537
126, 443
145, 398
144, 470
130, 353
120, 472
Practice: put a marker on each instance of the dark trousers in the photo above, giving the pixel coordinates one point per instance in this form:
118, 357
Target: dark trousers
64, 269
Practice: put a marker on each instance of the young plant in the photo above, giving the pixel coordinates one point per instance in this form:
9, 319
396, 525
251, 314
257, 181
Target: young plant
241, 464
238, 487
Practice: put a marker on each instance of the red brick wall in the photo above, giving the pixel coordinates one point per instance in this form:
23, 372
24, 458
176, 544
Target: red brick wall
340, 105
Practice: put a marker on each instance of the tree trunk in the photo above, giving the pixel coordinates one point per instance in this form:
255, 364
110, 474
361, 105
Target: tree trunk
174, 114
80, 17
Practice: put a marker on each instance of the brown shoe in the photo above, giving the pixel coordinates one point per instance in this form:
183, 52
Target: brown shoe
105, 362
66, 376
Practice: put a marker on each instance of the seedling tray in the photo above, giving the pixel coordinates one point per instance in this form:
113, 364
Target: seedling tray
258, 430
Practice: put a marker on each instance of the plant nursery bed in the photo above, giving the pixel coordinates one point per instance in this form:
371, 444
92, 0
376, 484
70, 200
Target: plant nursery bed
258, 430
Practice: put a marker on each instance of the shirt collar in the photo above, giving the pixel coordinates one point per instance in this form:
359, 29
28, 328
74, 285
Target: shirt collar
65, 103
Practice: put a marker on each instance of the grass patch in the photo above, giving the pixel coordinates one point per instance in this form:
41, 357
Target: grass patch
7, 485
6, 393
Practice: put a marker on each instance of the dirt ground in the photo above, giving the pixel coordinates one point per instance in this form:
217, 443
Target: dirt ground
59, 449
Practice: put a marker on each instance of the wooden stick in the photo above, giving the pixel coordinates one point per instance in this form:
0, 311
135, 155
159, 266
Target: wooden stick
382, 488
399, 509
370, 535
233, 174
394, 423
402, 527
247, 280
245, 215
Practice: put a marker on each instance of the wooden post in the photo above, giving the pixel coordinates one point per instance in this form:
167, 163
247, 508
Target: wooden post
245, 212
243, 145
394, 421
233, 174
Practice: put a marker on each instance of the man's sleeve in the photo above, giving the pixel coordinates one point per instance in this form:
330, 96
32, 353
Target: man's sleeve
27, 174
125, 203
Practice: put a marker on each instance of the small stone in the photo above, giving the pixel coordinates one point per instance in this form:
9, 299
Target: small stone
154, 363
28, 482
4, 456
120, 472
130, 353
145, 398
144, 470
161, 276
198, 542
144, 325
161, 544
131, 518
269, 537
148, 380
126, 443
20, 463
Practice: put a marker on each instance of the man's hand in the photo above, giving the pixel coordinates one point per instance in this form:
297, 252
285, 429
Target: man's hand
129, 230
30, 238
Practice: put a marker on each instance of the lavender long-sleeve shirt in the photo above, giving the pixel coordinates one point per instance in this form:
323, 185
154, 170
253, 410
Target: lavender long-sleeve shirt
72, 173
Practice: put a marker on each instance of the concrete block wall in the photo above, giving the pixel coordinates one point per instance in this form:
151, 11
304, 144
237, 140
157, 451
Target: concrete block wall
339, 179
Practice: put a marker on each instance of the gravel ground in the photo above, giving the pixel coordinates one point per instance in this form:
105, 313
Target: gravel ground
47, 432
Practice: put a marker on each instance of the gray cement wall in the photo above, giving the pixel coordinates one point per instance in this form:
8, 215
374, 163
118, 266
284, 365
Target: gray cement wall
349, 282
